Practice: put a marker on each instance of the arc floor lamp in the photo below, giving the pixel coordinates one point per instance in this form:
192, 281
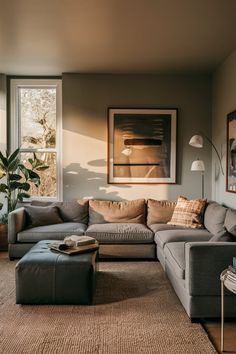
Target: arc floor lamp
198, 165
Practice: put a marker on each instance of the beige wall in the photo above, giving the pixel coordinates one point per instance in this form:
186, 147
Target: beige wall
3, 120
85, 101
223, 102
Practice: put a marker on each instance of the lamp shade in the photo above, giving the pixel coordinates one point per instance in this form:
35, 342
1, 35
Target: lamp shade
196, 141
198, 165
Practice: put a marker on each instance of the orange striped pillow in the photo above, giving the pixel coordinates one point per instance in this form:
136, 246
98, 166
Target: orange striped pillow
188, 213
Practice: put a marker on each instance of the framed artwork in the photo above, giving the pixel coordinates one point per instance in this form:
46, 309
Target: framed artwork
231, 153
142, 145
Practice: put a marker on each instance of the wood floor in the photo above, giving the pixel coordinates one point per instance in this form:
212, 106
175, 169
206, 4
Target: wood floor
213, 329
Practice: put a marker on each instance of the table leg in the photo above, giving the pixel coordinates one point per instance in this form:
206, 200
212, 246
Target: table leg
222, 316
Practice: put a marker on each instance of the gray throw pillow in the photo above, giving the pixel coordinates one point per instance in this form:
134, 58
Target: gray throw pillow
223, 236
40, 216
230, 221
74, 210
214, 218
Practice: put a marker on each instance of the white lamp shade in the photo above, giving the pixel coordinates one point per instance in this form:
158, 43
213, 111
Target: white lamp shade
198, 165
196, 141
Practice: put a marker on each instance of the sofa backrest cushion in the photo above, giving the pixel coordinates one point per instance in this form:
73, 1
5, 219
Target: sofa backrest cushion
188, 213
70, 211
105, 211
74, 210
214, 218
159, 211
230, 221
40, 216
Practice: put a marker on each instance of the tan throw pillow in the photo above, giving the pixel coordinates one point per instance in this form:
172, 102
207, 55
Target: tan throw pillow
159, 211
188, 213
105, 211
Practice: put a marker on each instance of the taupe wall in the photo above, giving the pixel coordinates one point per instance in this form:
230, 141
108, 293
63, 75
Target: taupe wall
85, 101
223, 102
3, 120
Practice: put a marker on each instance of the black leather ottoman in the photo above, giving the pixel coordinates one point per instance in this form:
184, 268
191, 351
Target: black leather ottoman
46, 277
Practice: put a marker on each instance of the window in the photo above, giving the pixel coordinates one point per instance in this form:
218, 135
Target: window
36, 128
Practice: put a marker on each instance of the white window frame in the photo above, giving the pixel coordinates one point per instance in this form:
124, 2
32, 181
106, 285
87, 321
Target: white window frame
15, 85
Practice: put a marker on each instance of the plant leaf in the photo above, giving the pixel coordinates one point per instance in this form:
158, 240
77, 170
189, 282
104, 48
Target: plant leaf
42, 168
21, 196
3, 187
3, 160
33, 174
18, 185
15, 177
14, 164
25, 186
13, 156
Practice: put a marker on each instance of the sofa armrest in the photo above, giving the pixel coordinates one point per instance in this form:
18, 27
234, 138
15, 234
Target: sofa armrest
16, 223
204, 263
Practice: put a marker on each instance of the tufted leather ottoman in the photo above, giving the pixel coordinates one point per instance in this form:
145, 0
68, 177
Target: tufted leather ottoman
46, 277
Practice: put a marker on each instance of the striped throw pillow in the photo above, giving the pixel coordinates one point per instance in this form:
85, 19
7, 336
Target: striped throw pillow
188, 213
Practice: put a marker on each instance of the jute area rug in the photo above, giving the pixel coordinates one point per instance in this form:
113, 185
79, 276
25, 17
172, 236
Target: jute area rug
135, 311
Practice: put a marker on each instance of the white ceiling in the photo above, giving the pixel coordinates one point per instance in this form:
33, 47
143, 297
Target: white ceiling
48, 37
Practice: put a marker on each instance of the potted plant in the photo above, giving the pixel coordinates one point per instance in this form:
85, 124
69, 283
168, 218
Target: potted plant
17, 178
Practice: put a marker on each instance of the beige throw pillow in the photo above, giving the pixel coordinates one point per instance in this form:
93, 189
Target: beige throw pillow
188, 213
159, 211
105, 211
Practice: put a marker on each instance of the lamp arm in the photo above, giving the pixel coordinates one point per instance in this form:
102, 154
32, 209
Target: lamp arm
216, 151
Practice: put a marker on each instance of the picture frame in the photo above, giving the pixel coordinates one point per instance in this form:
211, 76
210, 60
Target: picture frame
142, 145
231, 153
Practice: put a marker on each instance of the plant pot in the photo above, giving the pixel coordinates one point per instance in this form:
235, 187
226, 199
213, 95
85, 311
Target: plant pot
3, 237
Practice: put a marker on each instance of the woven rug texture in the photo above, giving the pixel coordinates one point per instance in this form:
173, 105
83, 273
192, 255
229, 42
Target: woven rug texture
135, 311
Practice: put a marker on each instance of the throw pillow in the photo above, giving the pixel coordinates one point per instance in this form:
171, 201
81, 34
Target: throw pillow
188, 213
223, 236
159, 211
74, 210
105, 211
40, 216
230, 221
214, 218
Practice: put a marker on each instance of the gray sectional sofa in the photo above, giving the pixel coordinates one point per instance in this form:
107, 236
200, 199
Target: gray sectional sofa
192, 258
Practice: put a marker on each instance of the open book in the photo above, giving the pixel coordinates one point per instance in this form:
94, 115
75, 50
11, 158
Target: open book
70, 250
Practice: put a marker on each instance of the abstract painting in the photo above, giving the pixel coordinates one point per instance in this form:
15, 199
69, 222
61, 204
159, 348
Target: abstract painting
142, 145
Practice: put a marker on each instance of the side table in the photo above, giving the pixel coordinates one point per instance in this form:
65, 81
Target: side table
231, 286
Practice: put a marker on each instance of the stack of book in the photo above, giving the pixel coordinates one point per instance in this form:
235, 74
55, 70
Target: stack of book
75, 245
230, 279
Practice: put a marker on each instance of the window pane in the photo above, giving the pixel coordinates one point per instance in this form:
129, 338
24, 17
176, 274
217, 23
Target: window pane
37, 117
47, 187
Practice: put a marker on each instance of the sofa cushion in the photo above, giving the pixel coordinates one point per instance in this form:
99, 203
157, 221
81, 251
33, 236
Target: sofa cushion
223, 236
51, 232
120, 233
163, 237
105, 211
175, 256
188, 213
159, 211
214, 217
74, 210
39, 216
162, 227
230, 221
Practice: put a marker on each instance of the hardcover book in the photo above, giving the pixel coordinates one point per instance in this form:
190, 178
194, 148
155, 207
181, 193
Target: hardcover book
63, 248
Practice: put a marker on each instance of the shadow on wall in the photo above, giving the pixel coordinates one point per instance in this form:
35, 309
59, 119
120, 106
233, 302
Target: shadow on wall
80, 182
